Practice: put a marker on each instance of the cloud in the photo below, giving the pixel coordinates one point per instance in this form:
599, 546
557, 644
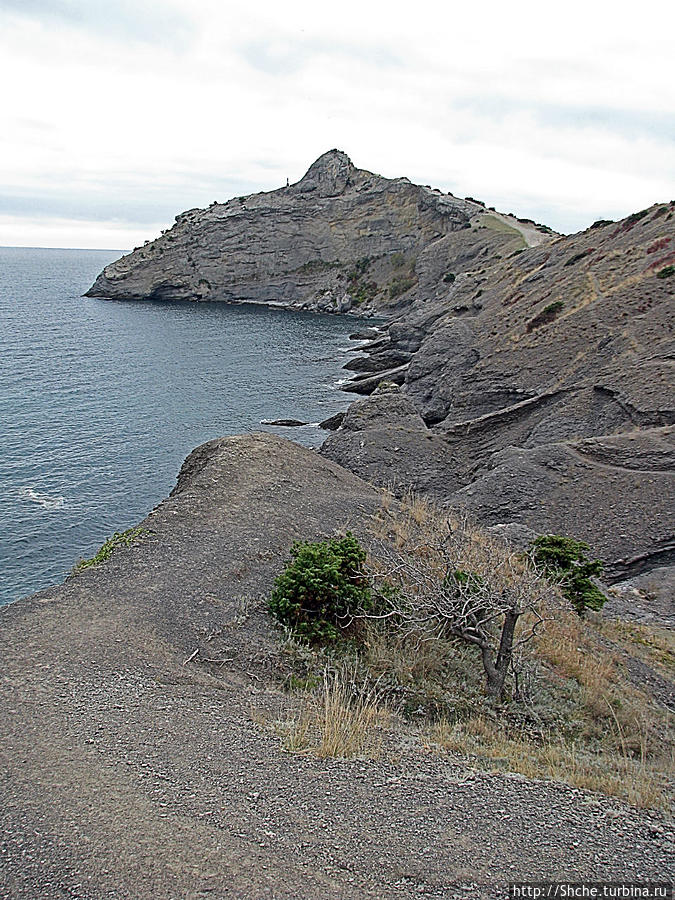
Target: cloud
658, 125
147, 22
132, 201
275, 56
130, 113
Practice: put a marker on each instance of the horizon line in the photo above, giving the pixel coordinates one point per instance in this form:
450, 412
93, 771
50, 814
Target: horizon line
92, 249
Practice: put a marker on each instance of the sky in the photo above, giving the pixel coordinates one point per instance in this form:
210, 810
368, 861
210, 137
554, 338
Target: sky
115, 116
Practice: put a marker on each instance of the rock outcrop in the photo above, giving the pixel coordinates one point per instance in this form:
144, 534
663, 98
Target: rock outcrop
340, 239
538, 390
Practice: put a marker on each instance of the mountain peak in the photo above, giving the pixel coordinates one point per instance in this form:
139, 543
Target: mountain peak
328, 175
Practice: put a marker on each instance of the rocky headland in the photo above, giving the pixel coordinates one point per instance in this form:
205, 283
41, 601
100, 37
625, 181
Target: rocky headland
339, 240
534, 369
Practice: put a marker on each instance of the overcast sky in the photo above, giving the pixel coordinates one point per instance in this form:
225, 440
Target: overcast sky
117, 115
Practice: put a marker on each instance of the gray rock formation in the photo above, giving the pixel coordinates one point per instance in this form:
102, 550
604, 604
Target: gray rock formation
341, 239
538, 391
535, 370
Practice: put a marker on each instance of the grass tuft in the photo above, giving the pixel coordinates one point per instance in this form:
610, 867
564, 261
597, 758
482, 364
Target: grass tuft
118, 539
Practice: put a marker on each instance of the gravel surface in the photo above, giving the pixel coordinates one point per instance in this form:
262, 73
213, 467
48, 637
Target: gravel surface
130, 770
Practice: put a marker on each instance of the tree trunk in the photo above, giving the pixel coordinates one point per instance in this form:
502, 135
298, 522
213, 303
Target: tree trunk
496, 672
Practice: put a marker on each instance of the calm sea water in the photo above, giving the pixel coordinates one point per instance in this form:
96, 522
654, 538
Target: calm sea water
101, 401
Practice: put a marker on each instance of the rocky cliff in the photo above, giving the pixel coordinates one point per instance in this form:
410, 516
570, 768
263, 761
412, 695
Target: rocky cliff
538, 390
340, 239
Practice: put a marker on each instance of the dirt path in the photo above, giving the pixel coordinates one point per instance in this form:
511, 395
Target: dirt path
128, 772
532, 236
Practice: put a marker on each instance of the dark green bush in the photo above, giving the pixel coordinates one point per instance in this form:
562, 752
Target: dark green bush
449, 277
577, 256
546, 316
322, 587
564, 560
400, 285
666, 273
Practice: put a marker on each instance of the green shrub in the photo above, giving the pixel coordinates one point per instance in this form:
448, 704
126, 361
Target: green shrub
547, 315
364, 291
323, 585
400, 285
449, 277
577, 256
564, 560
666, 273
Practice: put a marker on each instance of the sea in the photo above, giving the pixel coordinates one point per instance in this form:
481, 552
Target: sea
101, 401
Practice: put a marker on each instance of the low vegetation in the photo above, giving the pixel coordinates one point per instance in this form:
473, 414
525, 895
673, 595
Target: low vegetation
547, 315
400, 656
336, 719
579, 256
400, 284
564, 560
118, 539
323, 585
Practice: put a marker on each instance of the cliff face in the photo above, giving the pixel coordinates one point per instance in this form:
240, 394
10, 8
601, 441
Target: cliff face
538, 390
340, 239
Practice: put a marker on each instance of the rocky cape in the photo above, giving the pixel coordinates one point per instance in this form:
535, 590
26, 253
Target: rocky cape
341, 239
534, 370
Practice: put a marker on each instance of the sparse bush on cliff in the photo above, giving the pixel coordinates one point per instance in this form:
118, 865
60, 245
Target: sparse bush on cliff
666, 273
579, 256
546, 316
400, 285
564, 560
118, 539
448, 581
322, 587
566, 710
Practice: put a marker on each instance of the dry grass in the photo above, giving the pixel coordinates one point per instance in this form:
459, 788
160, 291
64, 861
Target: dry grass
406, 658
641, 782
578, 718
350, 723
340, 719
650, 643
622, 717
570, 647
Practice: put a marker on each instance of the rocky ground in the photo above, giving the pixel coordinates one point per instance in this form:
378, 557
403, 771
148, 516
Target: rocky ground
134, 764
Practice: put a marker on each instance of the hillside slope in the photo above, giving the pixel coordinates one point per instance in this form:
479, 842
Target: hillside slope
538, 389
340, 239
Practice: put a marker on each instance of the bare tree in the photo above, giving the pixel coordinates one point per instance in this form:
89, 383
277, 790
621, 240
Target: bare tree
459, 581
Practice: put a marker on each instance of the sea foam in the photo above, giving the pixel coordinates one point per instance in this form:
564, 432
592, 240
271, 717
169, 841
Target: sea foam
42, 499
